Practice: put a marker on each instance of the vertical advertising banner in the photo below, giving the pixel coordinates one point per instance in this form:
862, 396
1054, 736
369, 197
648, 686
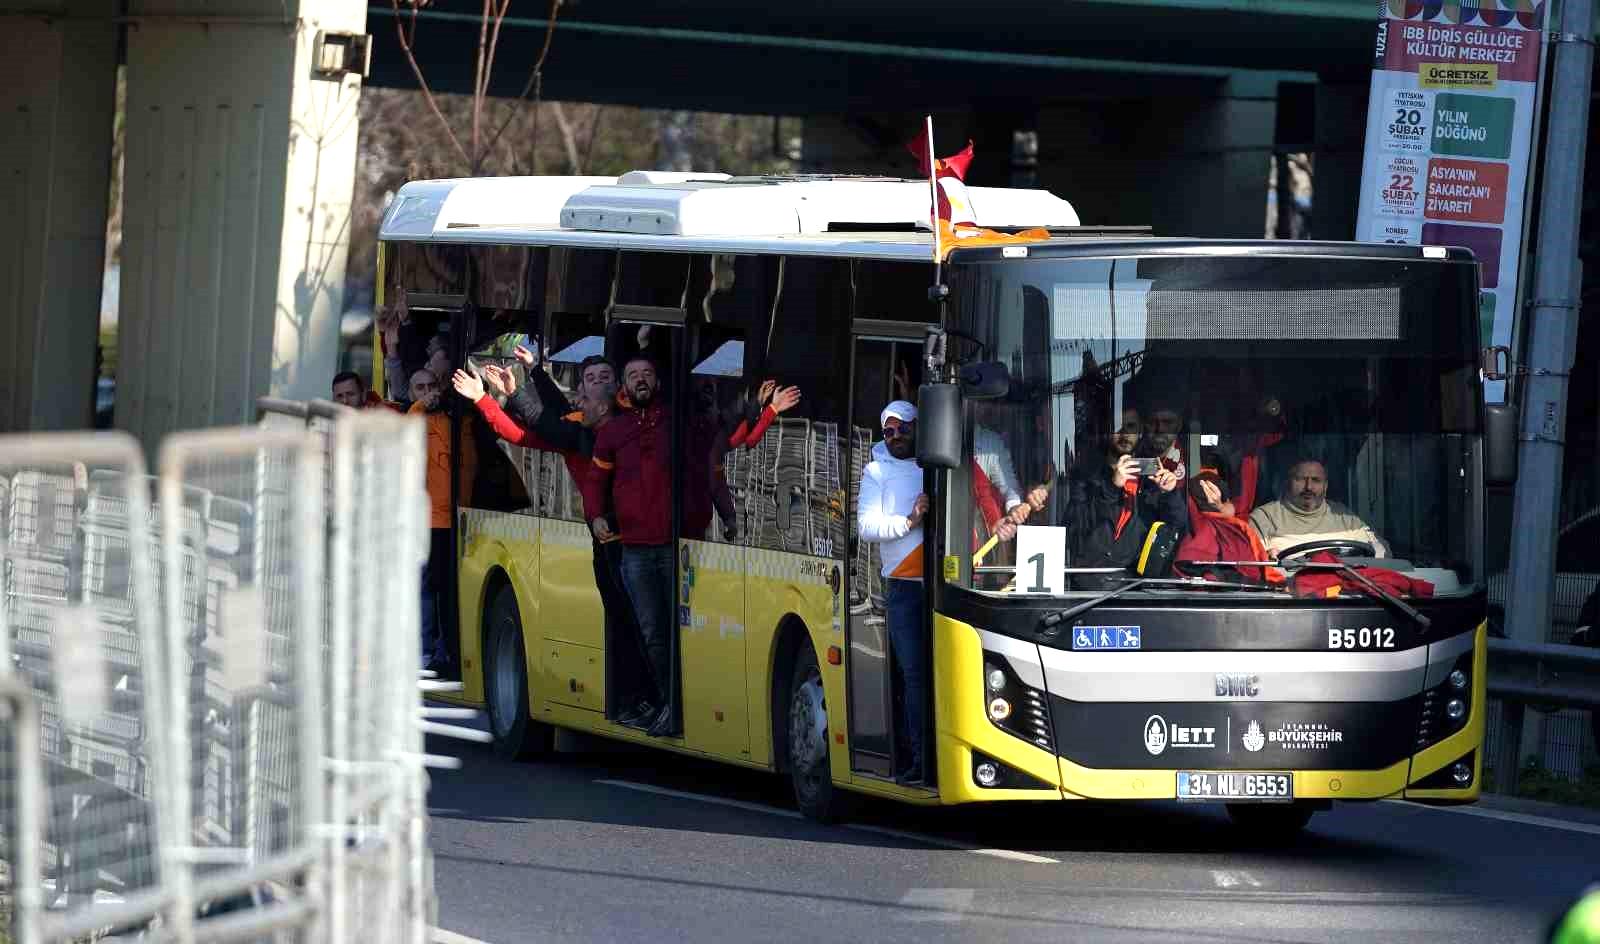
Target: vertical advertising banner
1450, 136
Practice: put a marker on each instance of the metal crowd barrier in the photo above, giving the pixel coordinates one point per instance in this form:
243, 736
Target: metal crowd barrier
210, 726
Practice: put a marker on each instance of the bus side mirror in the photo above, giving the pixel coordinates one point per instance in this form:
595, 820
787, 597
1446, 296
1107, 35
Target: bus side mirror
939, 426
1500, 444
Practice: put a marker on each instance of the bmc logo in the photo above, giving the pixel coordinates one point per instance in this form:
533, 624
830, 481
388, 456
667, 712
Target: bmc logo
1230, 685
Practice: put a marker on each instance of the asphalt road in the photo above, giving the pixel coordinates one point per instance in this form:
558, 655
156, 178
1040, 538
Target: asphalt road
645, 846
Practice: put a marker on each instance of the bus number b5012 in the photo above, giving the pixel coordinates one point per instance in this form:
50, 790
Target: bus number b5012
1367, 637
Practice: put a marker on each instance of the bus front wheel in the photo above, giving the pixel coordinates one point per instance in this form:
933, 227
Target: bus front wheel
505, 683
1271, 822
810, 768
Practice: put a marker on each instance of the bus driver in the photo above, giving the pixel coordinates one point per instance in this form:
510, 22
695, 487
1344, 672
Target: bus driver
1304, 514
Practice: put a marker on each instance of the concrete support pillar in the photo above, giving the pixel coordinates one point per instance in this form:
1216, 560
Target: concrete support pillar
1193, 162
1087, 157
1341, 132
1209, 155
57, 95
239, 172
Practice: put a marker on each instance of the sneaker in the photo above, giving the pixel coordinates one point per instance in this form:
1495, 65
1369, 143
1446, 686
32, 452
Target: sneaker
639, 715
663, 726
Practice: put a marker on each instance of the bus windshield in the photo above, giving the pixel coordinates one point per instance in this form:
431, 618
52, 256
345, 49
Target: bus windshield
1169, 413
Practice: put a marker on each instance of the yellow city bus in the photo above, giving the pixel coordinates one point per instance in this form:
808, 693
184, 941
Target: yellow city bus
1355, 672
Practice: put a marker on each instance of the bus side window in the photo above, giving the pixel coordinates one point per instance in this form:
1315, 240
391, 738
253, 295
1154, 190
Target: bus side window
800, 461
507, 475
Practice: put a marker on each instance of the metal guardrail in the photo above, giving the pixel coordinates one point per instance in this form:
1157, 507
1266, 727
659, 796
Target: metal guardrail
1544, 676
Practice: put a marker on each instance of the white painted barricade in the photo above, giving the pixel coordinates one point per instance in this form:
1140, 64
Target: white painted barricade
80, 634
377, 811
211, 722
246, 709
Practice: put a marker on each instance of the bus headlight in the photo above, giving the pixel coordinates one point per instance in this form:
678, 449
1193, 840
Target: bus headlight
986, 773
1014, 707
1447, 705
1461, 773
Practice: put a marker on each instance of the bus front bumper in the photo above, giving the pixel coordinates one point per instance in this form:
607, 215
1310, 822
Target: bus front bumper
985, 761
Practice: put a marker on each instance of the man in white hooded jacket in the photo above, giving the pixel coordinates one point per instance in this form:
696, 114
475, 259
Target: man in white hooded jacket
890, 506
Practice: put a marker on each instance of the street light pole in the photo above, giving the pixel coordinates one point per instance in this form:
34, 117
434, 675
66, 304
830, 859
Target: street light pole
1552, 339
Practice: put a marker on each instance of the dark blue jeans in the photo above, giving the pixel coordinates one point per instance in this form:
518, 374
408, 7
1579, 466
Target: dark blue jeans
438, 603
647, 574
908, 639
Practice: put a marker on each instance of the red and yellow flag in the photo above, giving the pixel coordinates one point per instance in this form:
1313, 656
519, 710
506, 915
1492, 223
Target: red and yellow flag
954, 219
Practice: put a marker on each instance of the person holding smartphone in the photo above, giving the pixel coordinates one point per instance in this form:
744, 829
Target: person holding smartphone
1118, 504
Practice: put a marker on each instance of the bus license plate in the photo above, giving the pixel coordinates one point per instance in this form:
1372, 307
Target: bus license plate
1199, 785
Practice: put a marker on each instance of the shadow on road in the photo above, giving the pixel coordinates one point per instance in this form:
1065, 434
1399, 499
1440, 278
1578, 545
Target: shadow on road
1405, 852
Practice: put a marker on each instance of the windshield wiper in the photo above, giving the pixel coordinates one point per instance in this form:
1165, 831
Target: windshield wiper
1199, 583
1052, 624
1391, 599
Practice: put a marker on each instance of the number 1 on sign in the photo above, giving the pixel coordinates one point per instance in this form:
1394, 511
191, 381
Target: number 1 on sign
1041, 559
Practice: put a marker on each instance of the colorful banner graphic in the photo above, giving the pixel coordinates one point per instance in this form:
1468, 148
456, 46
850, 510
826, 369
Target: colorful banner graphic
1450, 136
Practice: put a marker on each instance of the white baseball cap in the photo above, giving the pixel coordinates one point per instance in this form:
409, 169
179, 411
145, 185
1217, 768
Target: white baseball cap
903, 410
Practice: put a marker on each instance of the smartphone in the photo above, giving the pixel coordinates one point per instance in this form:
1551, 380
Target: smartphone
1147, 466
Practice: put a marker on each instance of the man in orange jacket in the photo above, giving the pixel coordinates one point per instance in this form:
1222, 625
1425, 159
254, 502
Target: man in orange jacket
439, 639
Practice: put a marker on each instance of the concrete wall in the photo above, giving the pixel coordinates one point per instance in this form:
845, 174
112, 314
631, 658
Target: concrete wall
57, 96
239, 173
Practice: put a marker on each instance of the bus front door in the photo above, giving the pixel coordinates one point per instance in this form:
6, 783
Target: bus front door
885, 367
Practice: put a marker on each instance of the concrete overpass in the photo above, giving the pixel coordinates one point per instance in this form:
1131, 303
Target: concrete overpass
1147, 111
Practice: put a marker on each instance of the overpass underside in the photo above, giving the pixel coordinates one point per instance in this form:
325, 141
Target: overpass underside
1165, 114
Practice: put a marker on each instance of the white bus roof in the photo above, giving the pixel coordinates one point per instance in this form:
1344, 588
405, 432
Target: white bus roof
859, 216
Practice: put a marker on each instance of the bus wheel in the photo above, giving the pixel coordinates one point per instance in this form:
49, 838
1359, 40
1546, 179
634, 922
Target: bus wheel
809, 768
505, 683
1271, 821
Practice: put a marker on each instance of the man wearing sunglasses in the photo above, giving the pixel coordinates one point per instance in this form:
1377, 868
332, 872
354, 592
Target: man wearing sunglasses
889, 510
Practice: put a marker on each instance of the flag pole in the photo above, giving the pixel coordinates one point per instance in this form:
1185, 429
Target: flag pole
933, 197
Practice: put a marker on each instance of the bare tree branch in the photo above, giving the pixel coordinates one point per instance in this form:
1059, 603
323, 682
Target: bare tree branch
499, 12
568, 138
594, 132
535, 84
422, 83
477, 88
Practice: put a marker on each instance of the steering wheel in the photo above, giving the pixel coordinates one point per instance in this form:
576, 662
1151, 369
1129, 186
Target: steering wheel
1341, 546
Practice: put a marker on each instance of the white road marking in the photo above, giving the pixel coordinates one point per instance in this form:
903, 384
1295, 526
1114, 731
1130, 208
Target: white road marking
880, 830
441, 936
1233, 878
1011, 854
939, 905
1588, 829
